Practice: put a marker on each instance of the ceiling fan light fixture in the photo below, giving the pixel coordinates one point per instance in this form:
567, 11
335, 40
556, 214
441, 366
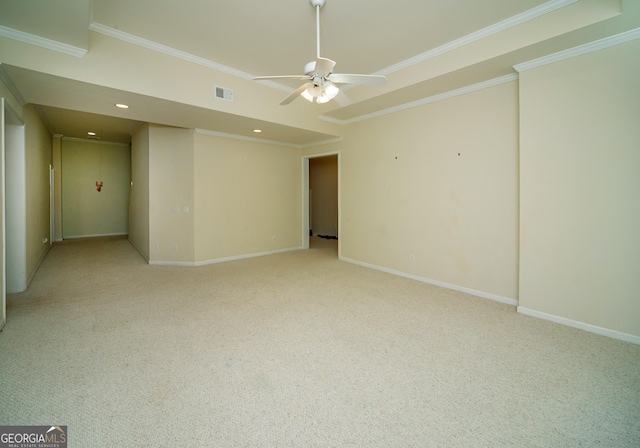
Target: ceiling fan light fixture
311, 93
321, 93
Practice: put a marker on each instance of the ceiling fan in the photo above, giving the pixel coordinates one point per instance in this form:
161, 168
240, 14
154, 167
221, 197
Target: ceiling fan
320, 85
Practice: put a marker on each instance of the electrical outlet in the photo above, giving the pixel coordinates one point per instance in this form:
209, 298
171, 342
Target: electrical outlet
45, 240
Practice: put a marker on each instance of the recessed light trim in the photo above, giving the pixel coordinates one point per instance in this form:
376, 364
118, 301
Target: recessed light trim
91, 133
122, 106
257, 131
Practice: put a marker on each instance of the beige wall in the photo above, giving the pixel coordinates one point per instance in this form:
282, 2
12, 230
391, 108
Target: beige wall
38, 146
323, 183
432, 192
580, 185
85, 210
139, 195
247, 198
171, 194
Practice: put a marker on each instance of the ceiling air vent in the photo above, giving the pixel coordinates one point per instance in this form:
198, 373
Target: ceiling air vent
224, 94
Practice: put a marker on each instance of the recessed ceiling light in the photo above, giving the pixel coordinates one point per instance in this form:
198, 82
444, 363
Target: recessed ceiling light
257, 130
91, 133
122, 106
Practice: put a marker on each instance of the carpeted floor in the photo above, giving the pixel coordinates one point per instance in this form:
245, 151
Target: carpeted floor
298, 349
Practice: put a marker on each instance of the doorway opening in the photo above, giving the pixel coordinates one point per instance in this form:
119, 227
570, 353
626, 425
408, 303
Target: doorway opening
321, 201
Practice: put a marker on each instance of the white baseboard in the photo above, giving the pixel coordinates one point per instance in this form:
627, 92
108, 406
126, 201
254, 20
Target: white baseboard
580, 325
484, 295
171, 263
97, 235
222, 260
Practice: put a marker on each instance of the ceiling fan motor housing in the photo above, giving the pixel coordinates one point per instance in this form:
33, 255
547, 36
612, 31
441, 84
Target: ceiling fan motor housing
316, 3
310, 67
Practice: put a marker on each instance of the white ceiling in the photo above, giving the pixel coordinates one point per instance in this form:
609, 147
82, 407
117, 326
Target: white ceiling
258, 37
279, 36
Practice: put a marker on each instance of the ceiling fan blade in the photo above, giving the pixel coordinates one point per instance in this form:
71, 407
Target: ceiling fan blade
324, 66
296, 93
301, 77
345, 78
342, 99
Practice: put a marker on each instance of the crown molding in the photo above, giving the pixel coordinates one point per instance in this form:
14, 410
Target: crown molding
242, 137
322, 143
150, 45
268, 142
427, 100
145, 43
518, 19
93, 140
43, 42
579, 50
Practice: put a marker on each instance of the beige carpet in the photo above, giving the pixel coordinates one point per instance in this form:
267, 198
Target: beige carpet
298, 349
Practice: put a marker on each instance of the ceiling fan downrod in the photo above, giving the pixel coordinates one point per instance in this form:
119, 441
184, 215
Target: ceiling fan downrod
317, 4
